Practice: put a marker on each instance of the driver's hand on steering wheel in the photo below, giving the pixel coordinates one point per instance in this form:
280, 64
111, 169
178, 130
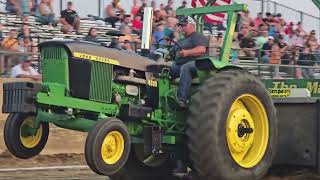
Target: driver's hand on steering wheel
182, 53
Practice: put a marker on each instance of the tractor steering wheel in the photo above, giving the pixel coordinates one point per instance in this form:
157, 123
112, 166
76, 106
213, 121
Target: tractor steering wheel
172, 48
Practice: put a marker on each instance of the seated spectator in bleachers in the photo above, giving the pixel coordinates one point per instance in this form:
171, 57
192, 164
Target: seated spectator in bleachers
248, 45
258, 20
135, 8
306, 59
163, 12
157, 19
297, 39
10, 43
92, 35
137, 25
25, 70
125, 21
183, 5
13, 6
275, 59
153, 5
289, 29
158, 34
45, 13
169, 8
266, 50
141, 9
170, 27
114, 13
1, 33
70, 19
25, 9
262, 38
29, 44
128, 42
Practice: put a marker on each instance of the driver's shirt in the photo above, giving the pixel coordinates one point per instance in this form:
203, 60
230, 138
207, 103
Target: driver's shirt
189, 42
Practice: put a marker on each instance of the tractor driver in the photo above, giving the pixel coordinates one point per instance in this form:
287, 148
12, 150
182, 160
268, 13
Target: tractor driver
194, 45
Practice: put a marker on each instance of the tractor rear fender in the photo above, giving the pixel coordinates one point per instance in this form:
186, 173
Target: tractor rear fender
210, 64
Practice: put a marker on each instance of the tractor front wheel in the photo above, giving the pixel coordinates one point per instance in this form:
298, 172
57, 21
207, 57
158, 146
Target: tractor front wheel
21, 138
232, 128
107, 146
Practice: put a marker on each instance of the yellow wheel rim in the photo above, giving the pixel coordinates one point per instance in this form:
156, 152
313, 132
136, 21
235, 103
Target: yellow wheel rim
112, 147
30, 141
247, 130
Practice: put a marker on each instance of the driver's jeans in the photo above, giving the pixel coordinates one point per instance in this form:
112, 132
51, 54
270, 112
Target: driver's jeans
186, 72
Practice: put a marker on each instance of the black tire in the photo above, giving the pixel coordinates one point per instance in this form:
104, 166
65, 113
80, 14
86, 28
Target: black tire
12, 136
137, 170
210, 157
94, 143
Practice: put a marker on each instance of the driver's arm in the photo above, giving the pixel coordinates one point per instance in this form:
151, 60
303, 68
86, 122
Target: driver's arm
197, 51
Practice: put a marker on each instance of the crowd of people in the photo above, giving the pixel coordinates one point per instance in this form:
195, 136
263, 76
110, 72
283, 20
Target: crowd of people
275, 41
267, 37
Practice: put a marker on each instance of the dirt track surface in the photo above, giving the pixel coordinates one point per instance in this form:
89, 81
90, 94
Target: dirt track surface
84, 173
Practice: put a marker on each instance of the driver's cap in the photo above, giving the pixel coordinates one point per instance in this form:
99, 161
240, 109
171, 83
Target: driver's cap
185, 20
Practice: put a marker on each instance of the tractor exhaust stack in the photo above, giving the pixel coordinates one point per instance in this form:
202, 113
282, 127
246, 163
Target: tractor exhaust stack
147, 30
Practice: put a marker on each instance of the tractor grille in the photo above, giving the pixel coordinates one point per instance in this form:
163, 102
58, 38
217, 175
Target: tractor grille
55, 65
101, 82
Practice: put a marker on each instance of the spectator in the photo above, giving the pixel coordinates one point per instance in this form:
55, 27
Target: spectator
125, 21
13, 6
128, 40
258, 20
157, 19
169, 8
25, 70
1, 33
114, 12
248, 45
10, 43
163, 12
25, 9
137, 25
70, 19
135, 8
284, 50
183, 5
141, 9
159, 34
289, 29
262, 38
28, 42
92, 35
306, 59
296, 40
170, 27
275, 59
45, 13
300, 28
266, 50
153, 5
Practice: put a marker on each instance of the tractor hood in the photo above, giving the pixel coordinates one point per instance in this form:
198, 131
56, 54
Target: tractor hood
96, 52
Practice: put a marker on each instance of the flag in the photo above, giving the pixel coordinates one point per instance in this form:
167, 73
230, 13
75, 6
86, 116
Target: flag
212, 18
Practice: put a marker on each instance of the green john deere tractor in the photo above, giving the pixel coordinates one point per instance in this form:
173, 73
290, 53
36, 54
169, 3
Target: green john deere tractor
127, 104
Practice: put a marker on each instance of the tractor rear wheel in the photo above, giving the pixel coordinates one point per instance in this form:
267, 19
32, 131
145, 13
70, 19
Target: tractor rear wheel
18, 138
232, 128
